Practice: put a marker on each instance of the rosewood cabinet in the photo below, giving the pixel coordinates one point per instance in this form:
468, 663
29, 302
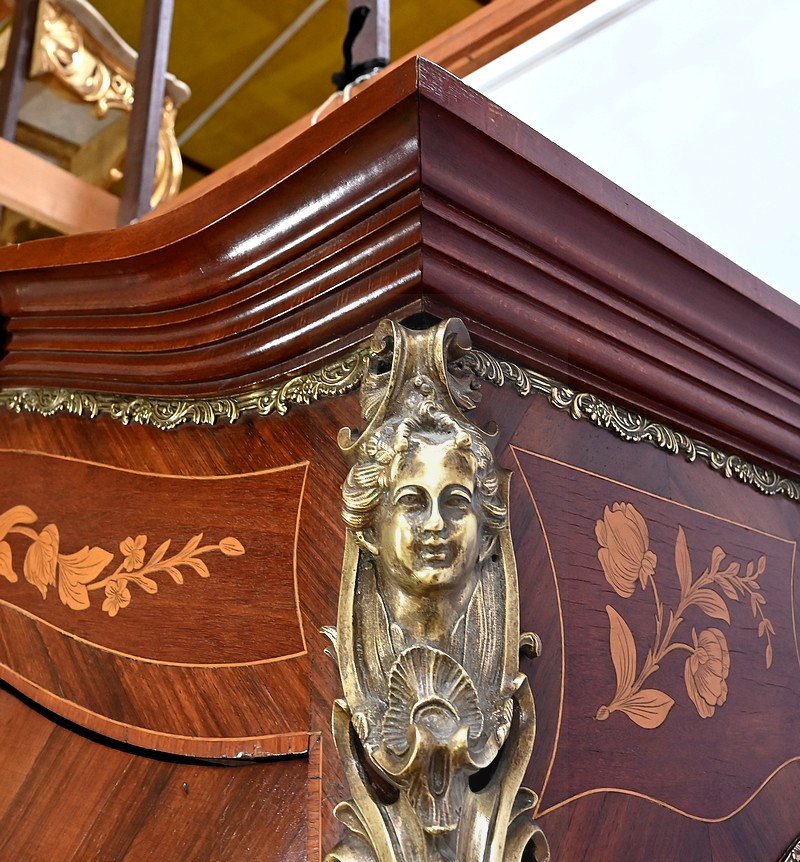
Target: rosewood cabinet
171, 537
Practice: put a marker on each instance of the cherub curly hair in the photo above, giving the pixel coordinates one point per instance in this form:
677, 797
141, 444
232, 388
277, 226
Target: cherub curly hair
368, 479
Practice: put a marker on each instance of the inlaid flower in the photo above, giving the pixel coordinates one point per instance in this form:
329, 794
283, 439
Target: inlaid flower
624, 551
117, 596
133, 551
39, 567
706, 671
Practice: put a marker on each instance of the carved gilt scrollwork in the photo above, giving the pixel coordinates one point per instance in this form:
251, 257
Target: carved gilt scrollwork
67, 53
437, 723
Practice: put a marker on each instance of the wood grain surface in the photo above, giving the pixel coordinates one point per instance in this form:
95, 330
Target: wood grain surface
420, 196
94, 534
189, 669
65, 796
417, 195
685, 777
692, 787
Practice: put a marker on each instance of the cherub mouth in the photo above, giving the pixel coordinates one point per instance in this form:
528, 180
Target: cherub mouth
434, 552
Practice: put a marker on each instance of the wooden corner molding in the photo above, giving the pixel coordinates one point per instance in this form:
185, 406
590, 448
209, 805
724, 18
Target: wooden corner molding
305, 251
346, 374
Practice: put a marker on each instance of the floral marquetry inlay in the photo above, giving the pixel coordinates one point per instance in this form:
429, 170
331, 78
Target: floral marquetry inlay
77, 575
627, 561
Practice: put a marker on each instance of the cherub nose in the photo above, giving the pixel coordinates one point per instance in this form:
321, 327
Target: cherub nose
434, 522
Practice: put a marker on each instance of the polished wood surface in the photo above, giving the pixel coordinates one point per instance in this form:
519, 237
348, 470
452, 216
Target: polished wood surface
565, 473
122, 804
175, 582
388, 208
242, 636
692, 787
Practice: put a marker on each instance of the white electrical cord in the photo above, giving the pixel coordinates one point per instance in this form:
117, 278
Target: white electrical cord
345, 94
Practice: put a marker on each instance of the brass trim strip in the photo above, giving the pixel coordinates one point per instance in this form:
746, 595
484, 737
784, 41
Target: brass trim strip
345, 375
630, 426
331, 380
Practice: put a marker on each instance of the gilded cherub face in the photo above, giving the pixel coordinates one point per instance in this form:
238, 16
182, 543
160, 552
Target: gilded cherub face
427, 526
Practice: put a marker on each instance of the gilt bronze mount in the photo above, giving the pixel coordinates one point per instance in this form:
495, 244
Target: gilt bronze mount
437, 723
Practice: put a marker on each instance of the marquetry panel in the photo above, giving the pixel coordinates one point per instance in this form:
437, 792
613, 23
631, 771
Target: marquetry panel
202, 651
91, 564
665, 596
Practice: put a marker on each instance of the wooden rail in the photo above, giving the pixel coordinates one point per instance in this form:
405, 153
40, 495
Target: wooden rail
461, 49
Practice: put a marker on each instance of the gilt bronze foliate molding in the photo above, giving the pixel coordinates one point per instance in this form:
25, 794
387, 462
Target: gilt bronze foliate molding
344, 375
331, 380
437, 723
629, 425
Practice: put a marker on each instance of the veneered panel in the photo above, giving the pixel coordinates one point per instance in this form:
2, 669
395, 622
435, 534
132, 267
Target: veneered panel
263, 621
671, 668
104, 554
701, 766
66, 797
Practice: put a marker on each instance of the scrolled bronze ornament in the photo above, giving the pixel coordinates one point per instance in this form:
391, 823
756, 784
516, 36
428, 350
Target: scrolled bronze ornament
437, 723
793, 853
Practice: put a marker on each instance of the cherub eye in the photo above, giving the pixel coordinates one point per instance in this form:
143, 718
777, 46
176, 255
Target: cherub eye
410, 499
457, 500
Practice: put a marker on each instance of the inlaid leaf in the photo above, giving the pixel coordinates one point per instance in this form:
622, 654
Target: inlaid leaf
78, 569
231, 547
175, 574
158, 554
648, 708
730, 571
147, 584
199, 566
717, 558
683, 563
713, 604
192, 544
13, 516
623, 651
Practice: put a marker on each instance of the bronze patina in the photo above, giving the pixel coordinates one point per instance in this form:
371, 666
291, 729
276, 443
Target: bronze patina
437, 723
